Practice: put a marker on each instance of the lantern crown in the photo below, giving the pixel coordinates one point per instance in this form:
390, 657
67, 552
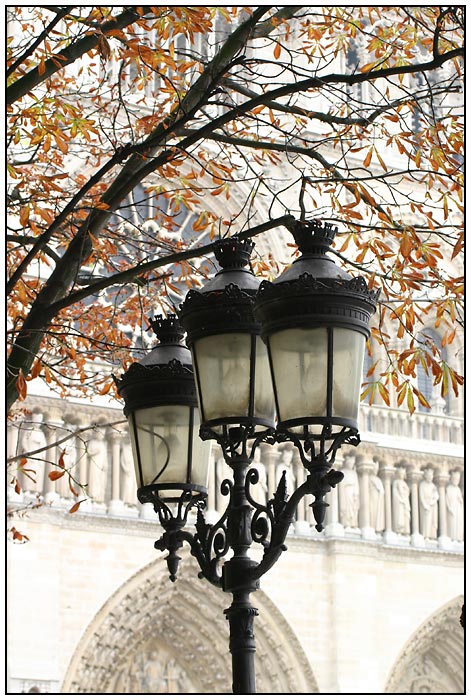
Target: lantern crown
313, 237
168, 330
232, 253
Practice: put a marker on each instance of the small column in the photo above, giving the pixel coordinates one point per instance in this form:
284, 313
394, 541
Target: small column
212, 480
13, 480
82, 463
301, 525
116, 506
213, 486
414, 476
386, 473
269, 458
51, 426
441, 480
333, 527
365, 467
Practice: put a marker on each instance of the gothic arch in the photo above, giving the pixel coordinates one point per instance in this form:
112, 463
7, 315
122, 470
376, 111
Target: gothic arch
157, 637
432, 661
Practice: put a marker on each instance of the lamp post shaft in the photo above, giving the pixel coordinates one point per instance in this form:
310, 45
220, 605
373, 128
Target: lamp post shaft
242, 643
238, 579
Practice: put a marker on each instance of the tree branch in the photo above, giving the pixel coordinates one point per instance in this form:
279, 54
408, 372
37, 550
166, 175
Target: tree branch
61, 13
26, 83
131, 273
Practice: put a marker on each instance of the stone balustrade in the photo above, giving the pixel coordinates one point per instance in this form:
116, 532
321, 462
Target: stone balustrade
394, 495
422, 426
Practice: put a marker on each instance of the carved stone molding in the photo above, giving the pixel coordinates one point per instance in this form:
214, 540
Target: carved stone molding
153, 636
433, 660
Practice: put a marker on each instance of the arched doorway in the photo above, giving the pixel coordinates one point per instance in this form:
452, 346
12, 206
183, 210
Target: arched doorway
433, 659
153, 636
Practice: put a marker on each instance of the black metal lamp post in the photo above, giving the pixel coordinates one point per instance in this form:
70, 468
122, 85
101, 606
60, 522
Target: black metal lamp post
307, 332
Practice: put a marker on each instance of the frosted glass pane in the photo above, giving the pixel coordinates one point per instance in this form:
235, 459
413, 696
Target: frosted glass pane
349, 349
223, 366
162, 436
299, 358
264, 398
201, 450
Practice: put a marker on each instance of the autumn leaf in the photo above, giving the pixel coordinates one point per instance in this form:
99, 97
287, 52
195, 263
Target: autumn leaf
54, 475
76, 506
21, 385
369, 155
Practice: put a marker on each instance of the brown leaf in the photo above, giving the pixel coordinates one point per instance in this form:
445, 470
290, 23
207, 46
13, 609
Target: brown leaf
54, 475
76, 506
21, 385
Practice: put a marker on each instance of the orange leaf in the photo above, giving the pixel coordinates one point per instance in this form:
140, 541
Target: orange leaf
54, 475
21, 385
61, 462
367, 160
277, 51
36, 369
24, 215
76, 506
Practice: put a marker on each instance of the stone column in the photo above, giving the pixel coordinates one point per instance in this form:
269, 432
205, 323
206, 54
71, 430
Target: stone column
269, 458
441, 480
333, 527
386, 473
365, 467
301, 526
115, 506
414, 475
82, 464
211, 479
12, 445
53, 452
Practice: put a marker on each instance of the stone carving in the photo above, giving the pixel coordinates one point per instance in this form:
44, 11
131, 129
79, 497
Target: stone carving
157, 631
151, 672
286, 465
349, 493
454, 507
428, 505
32, 438
128, 486
401, 503
433, 660
97, 450
376, 500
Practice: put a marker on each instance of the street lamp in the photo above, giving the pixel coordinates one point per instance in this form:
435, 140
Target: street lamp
171, 462
292, 348
315, 321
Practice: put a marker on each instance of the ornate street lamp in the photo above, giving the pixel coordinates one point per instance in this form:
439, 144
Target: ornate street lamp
170, 460
306, 331
315, 321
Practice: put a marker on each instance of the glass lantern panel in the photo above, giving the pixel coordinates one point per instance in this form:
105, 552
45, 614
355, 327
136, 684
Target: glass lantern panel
349, 350
201, 453
299, 361
160, 444
222, 367
264, 400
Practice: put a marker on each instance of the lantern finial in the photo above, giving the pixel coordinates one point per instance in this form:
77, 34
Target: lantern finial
233, 253
167, 330
313, 237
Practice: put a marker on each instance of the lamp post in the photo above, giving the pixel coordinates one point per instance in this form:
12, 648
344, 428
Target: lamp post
292, 349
